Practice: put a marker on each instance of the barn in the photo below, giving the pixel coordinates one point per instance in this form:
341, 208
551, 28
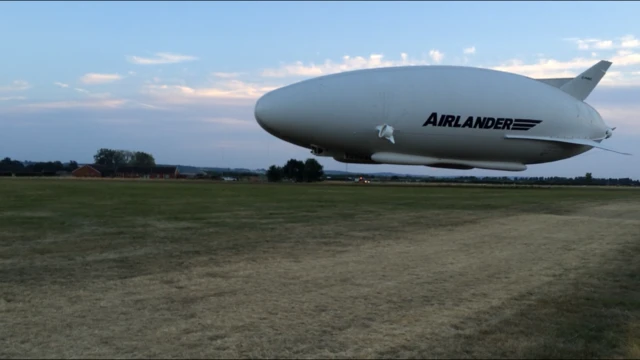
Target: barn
91, 171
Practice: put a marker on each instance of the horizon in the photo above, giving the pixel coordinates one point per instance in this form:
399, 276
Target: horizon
348, 173
185, 92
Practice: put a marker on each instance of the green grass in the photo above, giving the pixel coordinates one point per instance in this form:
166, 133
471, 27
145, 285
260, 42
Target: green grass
186, 268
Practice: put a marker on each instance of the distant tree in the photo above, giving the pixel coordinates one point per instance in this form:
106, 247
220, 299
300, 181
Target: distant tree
312, 171
589, 178
109, 157
141, 158
9, 165
275, 173
127, 156
114, 158
72, 165
294, 170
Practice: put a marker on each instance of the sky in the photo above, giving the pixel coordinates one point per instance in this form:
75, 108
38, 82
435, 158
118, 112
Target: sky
180, 79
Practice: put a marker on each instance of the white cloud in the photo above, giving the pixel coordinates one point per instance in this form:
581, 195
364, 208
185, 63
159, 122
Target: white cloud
231, 89
627, 41
94, 78
84, 91
161, 58
99, 95
17, 85
10, 98
102, 104
470, 50
624, 117
549, 68
620, 79
436, 56
62, 85
96, 103
231, 122
224, 75
348, 63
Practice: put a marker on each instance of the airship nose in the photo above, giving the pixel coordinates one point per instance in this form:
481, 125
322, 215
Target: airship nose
270, 111
260, 111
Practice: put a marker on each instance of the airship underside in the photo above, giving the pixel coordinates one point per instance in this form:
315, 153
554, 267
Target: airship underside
440, 116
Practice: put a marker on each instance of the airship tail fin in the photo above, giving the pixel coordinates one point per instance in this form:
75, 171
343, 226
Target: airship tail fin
582, 85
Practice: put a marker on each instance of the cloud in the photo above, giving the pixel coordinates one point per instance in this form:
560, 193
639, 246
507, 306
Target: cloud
102, 104
549, 68
94, 78
231, 89
436, 56
94, 102
629, 41
348, 63
224, 75
62, 85
232, 123
625, 117
161, 58
10, 98
624, 42
87, 92
17, 85
470, 50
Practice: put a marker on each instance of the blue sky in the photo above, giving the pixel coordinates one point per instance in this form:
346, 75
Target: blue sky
179, 79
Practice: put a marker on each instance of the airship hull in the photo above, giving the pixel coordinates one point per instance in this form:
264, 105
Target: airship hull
443, 116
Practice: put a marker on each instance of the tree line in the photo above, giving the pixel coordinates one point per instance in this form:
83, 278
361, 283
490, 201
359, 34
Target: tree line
107, 157
295, 170
10, 166
114, 158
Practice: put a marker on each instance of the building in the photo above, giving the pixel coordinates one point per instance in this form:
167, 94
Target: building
154, 172
90, 171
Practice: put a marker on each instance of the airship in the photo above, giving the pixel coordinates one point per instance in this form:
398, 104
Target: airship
441, 116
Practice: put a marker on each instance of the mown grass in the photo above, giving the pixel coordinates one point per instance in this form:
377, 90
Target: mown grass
555, 270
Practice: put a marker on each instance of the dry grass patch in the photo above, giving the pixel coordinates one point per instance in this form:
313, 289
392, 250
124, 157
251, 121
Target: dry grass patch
269, 271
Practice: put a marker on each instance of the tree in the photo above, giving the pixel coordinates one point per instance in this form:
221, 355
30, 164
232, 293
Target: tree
294, 170
11, 165
109, 157
312, 170
115, 158
589, 178
141, 158
72, 165
275, 173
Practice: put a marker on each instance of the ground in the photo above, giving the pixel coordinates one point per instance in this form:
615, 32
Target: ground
143, 269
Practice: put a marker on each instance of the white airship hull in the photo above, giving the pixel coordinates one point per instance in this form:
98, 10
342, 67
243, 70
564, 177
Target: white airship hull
442, 116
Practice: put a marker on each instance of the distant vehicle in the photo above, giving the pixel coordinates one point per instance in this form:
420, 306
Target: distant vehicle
440, 116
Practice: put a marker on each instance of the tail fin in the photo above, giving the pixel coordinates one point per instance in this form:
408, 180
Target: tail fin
582, 85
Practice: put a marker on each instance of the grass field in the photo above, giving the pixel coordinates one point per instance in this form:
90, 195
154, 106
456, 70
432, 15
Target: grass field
195, 269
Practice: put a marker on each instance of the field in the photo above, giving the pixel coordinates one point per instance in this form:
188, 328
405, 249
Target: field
147, 269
